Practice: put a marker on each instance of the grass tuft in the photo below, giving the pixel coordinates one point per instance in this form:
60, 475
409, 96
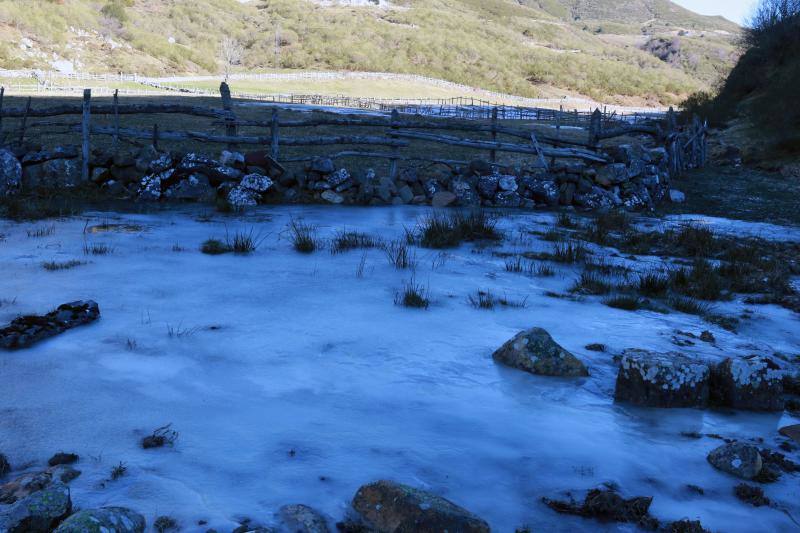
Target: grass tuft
215, 247
53, 266
303, 237
398, 255
413, 295
450, 230
96, 249
345, 241
569, 252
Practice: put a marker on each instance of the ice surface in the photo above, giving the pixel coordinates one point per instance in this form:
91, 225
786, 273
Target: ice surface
291, 380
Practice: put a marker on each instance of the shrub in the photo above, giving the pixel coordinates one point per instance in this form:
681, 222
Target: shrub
215, 247
162, 524
625, 302
448, 231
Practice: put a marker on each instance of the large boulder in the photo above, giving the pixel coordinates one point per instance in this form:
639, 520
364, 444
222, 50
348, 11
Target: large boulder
39, 512
26, 330
662, 380
103, 520
536, 352
389, 507
738, 459
755, 384
303, 519
10, 173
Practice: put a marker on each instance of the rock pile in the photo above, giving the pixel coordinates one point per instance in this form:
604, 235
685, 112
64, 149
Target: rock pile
637, 177
27, 330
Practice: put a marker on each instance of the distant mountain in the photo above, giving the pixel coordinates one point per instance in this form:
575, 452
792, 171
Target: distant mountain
633, 51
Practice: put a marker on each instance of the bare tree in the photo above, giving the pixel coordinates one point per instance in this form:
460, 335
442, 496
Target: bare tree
231, 52
770, 13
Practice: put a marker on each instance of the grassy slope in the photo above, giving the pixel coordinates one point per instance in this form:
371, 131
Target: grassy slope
533, 49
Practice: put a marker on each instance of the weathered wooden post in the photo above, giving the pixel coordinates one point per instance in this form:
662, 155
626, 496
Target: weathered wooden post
85, 133
115, 139
594, 128
395, 149
155, 135
24, 121
2, 93
230, 119
493, 153
274, 135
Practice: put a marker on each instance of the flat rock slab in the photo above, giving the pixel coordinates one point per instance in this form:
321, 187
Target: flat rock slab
390, 507
24, 331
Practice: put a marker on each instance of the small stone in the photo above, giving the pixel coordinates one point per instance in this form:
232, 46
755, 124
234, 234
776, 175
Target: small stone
535, 351
387, 506
443, 199
332, 197
62, 458
303, 519
750, 494
676, 197
707, 336
738, 459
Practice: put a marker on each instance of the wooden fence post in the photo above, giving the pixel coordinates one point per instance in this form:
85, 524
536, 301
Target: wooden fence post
155, 135
393, 164
85, 132
275, 135
2, 93
24, 121
594, 127
493, 153
115, 139
227, 105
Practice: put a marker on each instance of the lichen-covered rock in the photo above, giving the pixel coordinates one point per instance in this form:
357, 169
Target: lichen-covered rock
10, 173
150, 186
338, 177
103, 520
536, 352
507, 199
322, 165
755, 384
26, 330
390, 507
332, 197
613, 174
662, 380
542, 191
24, 486
738, 459
465, 194
39, 512
241, 197
507, 183
232, 159
443, 199
195, 188
487, 185
256, 182
303, 519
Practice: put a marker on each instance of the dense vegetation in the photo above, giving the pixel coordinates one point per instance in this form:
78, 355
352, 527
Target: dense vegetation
527, 47
762, 87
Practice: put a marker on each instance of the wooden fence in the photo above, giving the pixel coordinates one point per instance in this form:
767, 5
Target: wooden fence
685, 145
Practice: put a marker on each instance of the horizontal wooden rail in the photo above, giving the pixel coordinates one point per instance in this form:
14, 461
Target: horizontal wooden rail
122, 109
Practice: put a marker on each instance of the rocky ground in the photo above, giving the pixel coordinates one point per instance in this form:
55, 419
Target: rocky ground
315, 368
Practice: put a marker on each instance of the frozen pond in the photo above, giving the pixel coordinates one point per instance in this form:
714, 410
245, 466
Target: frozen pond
292, 380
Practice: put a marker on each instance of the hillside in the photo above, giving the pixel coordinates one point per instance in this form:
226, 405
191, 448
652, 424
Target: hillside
635, 52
